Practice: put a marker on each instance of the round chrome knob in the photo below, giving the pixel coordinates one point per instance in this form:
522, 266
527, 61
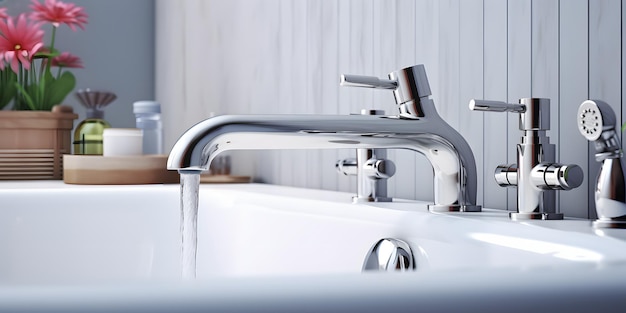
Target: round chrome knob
379, 169
557, 176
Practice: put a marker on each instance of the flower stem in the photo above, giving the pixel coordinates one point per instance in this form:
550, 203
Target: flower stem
54, 34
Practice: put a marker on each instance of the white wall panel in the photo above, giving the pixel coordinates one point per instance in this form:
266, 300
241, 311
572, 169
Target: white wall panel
329, 83
283, 56
345, 95
573, 90
496, 126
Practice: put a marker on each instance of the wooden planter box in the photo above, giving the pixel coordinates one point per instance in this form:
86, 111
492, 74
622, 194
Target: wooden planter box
32, 143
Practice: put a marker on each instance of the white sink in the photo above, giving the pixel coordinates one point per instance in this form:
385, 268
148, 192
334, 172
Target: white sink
54, 235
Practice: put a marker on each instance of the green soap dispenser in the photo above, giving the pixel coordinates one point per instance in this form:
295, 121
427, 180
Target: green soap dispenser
88, 134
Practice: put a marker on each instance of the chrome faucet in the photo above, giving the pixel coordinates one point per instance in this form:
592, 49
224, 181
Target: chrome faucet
417, 127
536, 175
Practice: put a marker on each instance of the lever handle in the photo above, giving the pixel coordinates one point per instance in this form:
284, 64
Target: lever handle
367, 82
495, 106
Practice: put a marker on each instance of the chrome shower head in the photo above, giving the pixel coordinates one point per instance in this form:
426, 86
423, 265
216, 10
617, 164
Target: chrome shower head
597, 123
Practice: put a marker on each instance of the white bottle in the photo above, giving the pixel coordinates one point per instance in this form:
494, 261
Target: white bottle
148, 118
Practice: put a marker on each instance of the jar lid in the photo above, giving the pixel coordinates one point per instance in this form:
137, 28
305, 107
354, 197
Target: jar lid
146, 106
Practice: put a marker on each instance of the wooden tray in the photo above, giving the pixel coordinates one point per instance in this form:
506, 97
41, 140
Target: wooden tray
117, 170
129, 170
223, 179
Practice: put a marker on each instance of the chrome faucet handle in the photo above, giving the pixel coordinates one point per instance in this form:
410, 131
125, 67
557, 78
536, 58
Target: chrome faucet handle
367, 82
410, 86
534, 112
495, 106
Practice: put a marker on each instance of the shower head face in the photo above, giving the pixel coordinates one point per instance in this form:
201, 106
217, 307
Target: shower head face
594, 118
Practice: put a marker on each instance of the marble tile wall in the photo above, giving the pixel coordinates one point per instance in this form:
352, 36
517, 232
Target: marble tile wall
284, 56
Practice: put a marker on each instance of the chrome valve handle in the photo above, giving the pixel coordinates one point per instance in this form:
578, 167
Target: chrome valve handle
536, 175
371, 169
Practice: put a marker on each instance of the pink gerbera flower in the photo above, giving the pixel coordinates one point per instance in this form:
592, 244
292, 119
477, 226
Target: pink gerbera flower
67, 59
19, 41
3, 13
58, 12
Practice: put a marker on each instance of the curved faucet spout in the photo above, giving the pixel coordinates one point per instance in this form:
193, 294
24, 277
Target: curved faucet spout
450, 155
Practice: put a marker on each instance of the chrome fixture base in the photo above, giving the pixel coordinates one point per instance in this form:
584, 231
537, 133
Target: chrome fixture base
389, 255
609, 223
454, 208
535, 216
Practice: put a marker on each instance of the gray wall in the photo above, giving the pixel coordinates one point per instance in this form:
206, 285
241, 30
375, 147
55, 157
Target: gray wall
117, 49
283, 56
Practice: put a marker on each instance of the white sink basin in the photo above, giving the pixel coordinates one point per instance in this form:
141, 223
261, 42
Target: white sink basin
52, 235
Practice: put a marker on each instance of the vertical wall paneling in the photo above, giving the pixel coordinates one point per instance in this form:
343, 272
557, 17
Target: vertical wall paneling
289, 60
345, 95
471, 80
573, 78
263, 80
545, 58
195, 17
361, 54
496, 128
604, 63
329, 81
448, 104
302, 160
519, 75
283, 56
313, 84
170, 78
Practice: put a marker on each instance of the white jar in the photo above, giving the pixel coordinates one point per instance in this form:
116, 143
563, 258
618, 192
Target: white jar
122, 142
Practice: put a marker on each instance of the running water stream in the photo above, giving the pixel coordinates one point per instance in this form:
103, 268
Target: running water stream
189, 186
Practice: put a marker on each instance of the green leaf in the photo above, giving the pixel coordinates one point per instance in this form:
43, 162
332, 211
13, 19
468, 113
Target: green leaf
46, 54
7, 87
56, 90
26, 97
